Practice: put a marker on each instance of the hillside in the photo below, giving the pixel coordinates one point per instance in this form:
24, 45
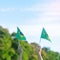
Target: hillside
11, 50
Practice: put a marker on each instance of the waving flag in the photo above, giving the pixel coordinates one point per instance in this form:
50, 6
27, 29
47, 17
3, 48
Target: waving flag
20, 35
44, 35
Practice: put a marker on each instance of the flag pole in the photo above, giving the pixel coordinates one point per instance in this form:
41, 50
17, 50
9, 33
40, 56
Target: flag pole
20, 51
40, 50
40, 40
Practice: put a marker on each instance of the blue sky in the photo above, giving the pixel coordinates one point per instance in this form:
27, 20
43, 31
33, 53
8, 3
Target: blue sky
31, 16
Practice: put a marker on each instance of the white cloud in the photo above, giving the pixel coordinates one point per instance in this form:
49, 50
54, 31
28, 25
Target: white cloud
6, 9
46, 12
50, 6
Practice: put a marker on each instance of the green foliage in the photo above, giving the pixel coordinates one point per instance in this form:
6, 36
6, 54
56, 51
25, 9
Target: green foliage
6, 42
50, 55
29, 51
9, 48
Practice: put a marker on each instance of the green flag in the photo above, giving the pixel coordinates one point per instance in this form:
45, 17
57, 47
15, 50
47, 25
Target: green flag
44, 35
20, 35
